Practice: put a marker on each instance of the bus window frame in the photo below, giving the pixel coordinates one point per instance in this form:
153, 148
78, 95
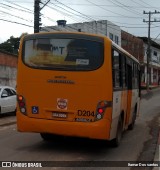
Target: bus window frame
129, 62
63, 36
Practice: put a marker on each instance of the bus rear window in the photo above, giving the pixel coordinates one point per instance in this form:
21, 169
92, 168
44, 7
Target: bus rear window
63, 54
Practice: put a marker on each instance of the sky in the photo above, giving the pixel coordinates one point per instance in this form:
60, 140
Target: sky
17, 16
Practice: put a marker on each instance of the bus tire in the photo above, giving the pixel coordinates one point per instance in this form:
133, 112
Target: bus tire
131, 126
46, 136
116, 141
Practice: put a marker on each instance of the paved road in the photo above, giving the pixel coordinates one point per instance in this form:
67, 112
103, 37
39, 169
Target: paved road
139, 144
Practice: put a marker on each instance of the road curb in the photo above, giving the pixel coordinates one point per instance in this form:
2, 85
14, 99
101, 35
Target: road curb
8, 123
7, 119
146, 94
157, 153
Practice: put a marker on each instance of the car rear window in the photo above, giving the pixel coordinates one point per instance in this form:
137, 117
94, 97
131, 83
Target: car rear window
63, 53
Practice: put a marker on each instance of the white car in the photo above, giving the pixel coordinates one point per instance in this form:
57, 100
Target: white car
8, 99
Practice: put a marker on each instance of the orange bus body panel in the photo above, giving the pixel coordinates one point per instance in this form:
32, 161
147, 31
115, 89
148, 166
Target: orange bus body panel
88, 88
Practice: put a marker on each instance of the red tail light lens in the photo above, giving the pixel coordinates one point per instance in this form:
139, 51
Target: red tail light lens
101, 107
22, 104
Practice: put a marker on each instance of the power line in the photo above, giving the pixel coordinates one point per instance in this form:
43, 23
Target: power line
115, 16
16, 22
68, 15
87, 17
64, 10
139, 27
149, 5
108, 5
92, 18
116, 13
16, 16
138, 3
20, 6
156, 37
105, 9
31, 11
82, 15
124, 7
15, 8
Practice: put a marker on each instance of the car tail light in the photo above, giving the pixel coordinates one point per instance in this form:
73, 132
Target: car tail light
22, 104
101, 107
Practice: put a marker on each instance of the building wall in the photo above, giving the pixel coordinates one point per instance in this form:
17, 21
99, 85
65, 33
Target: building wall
8, 69
154, 65
133, 45
155, 55
102, 27
138, 48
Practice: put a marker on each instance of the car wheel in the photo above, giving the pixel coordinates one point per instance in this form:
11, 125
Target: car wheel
116, 141
14, 113
0, 112
46, 136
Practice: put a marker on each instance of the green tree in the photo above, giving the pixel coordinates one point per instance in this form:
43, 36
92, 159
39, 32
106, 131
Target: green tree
12, 44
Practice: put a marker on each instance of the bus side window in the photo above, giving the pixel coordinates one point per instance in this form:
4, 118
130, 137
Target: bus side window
124, 76
116, 69
135, 77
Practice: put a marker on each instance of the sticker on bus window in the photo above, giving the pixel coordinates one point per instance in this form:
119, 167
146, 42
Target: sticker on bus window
62, 103
82, 61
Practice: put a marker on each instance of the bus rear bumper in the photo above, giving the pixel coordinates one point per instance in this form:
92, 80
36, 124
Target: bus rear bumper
94, 130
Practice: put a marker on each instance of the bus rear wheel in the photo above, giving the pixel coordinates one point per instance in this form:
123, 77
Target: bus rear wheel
131, 126
116, 141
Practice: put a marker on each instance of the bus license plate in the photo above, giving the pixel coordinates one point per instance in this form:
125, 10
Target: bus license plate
59, 115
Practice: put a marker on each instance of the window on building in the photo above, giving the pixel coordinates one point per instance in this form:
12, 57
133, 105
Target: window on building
155, 53
116, 39
111, 36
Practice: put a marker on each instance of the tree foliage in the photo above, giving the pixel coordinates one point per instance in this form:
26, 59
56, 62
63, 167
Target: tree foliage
12, 44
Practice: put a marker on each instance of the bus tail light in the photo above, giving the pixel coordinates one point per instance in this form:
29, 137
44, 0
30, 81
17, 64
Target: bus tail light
101, 107
100, 110
22, 104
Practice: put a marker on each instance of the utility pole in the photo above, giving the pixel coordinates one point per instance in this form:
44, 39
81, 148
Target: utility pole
37, 15
37, 18
149, 42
